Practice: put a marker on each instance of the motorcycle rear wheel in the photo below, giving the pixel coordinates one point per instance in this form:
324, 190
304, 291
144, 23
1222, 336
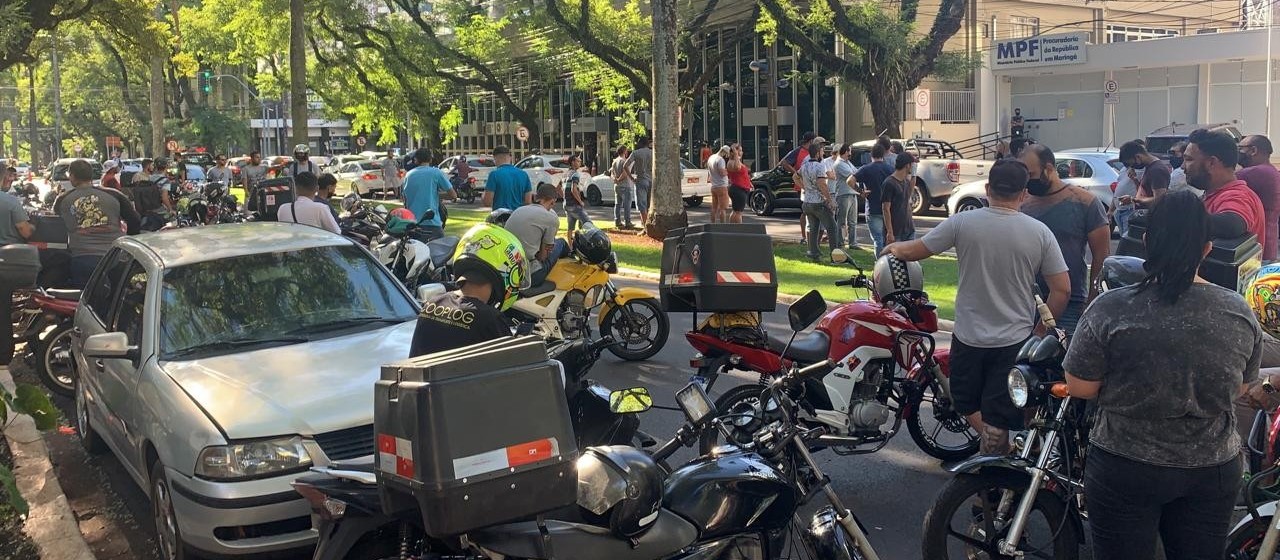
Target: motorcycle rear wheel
640, 327
963, 496
1243, 543
948, 422
54, 364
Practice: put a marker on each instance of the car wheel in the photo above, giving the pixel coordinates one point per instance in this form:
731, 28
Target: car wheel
920, 200
89, 439
168, 535
693, 201
762, 202
968, 204
594, 197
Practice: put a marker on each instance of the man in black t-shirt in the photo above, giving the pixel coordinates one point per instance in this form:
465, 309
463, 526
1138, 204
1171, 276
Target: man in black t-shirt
895, 202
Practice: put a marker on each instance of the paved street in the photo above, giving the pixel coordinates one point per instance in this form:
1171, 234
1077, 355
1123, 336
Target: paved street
889, 490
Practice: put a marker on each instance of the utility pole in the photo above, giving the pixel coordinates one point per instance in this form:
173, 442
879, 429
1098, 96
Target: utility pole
32, 122
771, 86
667, 208
57, 104
298, 72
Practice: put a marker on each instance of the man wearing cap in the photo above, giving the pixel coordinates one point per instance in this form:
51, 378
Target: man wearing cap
1000, 251
111, 175
506, 187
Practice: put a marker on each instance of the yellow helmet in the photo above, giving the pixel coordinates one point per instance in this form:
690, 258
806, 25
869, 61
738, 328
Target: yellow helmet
1263, 296
496, 255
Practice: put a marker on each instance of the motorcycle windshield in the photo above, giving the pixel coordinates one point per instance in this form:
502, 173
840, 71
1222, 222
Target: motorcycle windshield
600, 485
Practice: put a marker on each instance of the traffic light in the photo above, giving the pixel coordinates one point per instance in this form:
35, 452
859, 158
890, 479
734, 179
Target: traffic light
206, 81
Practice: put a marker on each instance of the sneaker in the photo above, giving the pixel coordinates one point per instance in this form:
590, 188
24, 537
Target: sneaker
814, 258
617, 225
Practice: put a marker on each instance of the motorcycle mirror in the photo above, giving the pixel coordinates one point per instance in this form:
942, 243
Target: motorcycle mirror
626, 401
430, 290
839, 256
806, 310
381, 210
350, 202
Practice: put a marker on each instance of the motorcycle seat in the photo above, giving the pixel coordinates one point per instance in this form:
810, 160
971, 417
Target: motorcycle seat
69, 295
578, 541
543, 288
442, 250
810, 347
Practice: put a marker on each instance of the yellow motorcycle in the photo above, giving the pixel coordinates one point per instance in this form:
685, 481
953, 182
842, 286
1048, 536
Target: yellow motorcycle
560, 308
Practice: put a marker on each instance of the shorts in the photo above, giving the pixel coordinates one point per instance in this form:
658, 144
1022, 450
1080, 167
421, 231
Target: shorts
738, 197
980, 383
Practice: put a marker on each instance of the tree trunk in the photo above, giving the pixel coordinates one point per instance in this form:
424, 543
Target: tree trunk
666, 211
886, 106
157, 106
298, 72
32, 120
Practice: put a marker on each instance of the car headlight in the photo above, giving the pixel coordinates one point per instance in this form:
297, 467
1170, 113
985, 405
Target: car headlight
253, 459
1019, 388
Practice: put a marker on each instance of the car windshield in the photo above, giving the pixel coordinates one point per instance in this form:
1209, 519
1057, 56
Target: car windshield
226, 305
1116, 165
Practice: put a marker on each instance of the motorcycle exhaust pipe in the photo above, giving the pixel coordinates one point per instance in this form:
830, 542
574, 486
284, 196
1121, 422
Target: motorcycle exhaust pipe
846, 441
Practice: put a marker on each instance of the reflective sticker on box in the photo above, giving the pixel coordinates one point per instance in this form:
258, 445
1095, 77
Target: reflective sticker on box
395, 455
507, 458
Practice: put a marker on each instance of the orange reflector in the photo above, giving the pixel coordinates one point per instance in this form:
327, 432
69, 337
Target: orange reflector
1059, 390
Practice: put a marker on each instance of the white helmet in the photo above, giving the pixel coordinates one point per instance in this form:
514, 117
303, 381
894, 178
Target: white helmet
892, 275
302, 149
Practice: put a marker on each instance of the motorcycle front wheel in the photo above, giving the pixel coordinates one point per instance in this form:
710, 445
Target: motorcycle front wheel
640, 328
937, 428
54, 364
962, 523
742, 404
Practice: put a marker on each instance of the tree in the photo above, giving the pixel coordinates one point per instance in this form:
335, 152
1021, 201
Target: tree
667, 211
885, 56
298, 71
20, 22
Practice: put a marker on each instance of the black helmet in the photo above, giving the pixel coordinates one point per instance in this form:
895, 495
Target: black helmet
592, 244
620, 486
498, 217
214, 190
198, 210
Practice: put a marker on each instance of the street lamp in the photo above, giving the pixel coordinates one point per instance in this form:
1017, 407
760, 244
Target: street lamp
255, 97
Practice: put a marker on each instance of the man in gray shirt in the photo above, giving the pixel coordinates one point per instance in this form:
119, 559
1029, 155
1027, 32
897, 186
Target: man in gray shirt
93, 217
1001, 251
536, 226
640, 164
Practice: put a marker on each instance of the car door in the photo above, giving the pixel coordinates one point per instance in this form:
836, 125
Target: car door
120, 376
93, 317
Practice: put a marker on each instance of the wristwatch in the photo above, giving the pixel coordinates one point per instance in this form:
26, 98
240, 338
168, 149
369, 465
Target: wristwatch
1267, 387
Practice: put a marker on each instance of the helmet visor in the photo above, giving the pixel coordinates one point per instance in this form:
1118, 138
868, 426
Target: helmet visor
600, 484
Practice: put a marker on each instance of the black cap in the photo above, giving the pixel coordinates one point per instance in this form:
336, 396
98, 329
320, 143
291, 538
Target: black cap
501, 151
1007, 178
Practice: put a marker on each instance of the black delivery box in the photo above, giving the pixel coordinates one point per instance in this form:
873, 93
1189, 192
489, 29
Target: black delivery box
476, 436
1231, 263
269, 195
19, 265
718, 268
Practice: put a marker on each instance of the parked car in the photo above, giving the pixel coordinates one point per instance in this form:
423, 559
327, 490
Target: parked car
58, 173
203, 159
1162, 139
696, 186
337, 162
546, 169
361, 177
941, 167
23, 168
1096, 169
480, 167
216, 373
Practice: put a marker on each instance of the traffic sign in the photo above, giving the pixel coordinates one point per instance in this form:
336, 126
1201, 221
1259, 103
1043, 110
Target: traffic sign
172, 145
522, 133
78, 147
360, 141
1111, 93
923, 110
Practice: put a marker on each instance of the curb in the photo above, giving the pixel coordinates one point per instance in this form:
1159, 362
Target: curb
943, 324
51, 523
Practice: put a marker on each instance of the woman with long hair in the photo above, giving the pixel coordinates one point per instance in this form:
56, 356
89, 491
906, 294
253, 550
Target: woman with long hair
739, 183
1165, 359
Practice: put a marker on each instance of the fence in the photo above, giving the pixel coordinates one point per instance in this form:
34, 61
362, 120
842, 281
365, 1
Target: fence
946, 106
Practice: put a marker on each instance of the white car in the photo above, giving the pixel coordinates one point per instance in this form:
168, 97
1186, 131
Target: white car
546, 169
361, 177
480, 167
1096, 169
336, 162
696, 186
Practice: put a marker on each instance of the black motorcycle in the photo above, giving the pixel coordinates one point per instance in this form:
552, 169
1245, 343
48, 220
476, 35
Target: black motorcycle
344, 496
1029, 503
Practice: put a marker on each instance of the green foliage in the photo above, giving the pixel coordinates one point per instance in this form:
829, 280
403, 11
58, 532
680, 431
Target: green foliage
31, 401
214, 129
16, 502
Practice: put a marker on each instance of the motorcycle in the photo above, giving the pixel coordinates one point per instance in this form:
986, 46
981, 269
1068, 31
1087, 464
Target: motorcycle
887, 369
466, 189
1257, 535
560, 308
345, 497
991, 508
413, 262
45, 324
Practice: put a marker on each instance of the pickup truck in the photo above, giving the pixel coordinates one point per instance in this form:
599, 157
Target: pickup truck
940, 170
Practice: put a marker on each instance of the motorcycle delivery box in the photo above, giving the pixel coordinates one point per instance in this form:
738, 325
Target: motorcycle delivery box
269, 195
718, 268
1231, 263
475, 436
19, 265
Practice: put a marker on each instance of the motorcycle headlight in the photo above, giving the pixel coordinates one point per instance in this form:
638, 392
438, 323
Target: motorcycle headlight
253, 459
1019, 390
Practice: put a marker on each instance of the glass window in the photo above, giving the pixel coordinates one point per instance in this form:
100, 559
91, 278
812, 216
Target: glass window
205, 309
1020, 26
103, 285
129, 312
525, 163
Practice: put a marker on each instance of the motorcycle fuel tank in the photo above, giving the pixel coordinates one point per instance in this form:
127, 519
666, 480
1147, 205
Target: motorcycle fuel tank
861, 323
730, 494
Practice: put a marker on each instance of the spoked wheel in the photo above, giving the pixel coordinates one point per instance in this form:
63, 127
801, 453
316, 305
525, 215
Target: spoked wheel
640, 328
937, 428
54, 364
741, 407
1243, 543
964, 525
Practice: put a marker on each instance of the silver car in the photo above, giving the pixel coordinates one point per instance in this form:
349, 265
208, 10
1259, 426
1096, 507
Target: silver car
219, 363
1096, 169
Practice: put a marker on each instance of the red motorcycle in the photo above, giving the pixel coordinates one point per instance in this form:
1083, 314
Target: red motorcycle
44, 322
887, 371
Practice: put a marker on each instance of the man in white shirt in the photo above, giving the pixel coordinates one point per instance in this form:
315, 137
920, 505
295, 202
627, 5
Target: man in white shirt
304, 209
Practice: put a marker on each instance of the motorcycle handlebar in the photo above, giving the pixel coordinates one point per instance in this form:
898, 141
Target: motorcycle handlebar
814, 369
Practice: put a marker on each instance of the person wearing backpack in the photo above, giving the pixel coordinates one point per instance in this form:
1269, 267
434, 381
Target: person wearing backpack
301, 163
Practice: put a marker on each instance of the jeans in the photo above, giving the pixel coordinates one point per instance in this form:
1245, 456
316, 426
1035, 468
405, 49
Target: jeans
558, 251
819, 215
1131, 503
847, 216
875, 223
1122, 220
643, 187
427, 234
624, 196
577, 214
81, 268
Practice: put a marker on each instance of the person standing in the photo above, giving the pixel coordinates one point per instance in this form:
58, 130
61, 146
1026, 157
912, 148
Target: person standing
1263, 178
1178, 179
624, 190
304, 209
1078, 221
506, 187
391, 174
424, 186
846, 196
1155, 173
220, 173
739, 183
1165, 359
1234, 209
871, 181
895, 201
110, 176
791, 163
717, 168
816, 202
15, 227
574, 201
1001, 251
640, 165
704, 154
251, 174
301, 163
93, 217
1015, 124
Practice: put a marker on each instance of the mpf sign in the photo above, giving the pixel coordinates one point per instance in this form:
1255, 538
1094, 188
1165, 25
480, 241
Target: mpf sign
1045, 50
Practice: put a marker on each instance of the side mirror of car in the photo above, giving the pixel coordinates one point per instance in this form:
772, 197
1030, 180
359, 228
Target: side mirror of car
111, 345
